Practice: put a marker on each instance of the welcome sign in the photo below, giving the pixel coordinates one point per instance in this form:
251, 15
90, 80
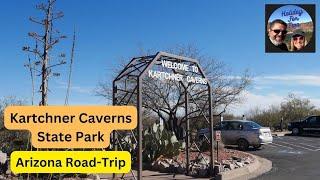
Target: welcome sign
175, 66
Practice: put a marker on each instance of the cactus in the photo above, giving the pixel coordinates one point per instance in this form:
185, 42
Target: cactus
158, 141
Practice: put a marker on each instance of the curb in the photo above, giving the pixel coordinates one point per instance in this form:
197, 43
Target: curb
255, 169
280, 133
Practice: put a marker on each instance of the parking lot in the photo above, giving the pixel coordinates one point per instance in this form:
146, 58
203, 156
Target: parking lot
293, 157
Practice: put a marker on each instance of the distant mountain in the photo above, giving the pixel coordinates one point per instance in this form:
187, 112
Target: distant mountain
306, 27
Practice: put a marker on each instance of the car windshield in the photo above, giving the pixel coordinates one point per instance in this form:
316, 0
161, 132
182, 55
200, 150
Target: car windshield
304, 118
253, 125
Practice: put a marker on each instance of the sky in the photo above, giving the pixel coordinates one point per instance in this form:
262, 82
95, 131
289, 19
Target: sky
108, 32
285, 13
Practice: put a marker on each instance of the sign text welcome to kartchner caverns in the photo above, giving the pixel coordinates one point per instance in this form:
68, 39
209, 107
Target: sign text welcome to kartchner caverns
176, 76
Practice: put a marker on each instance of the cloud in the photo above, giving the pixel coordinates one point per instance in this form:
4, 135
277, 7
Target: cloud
269, 81
289, 79
75, 88
258, 87
273, 89
253, 100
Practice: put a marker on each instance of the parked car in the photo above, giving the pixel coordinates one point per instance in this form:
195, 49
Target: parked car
242, 133
310, 124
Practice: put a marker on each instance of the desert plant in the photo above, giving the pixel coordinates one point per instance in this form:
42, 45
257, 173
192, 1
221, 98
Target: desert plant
159, 142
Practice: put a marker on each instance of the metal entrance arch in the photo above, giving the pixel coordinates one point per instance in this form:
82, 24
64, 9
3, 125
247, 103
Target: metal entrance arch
128, 90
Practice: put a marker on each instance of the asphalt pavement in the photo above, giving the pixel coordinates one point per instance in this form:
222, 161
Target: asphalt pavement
293, 157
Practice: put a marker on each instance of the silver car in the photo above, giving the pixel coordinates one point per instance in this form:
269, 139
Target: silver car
243, 133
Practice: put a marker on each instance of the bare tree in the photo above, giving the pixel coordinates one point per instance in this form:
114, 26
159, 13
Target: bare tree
31, 67
43, 59
47, 39
296, 108
166, 98
70, 68
226, 87
290, 109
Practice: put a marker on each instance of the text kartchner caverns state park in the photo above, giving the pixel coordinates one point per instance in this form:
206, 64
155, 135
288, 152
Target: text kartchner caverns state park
71, 126
82, 117
177, 76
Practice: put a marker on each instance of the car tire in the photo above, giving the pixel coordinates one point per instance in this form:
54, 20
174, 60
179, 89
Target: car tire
296, 131
243, 144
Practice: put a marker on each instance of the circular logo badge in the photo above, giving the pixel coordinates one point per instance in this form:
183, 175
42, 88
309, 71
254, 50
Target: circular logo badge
290, 25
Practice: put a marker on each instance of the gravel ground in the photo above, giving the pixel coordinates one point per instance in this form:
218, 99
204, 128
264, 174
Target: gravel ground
223, 154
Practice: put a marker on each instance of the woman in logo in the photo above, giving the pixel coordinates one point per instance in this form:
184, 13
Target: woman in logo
298, 40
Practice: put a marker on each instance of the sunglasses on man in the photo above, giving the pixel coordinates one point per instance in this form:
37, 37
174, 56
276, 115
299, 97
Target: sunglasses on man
277, 31
295, 38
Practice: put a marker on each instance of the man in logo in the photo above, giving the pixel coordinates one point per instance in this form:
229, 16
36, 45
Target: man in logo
277, 33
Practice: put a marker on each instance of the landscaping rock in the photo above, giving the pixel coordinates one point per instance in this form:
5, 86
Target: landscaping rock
8, 171
226, 169
194, 170
3, 158
205, 160
218, 169
199, 164
239, 164
3, 163
12, 177
247, 162
236, 158
163, 166
93, 177
230, 166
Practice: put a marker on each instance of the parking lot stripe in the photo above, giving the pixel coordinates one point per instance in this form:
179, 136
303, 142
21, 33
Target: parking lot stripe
271, 145
292, 138
299, 146
310, 140
309, 145
282, 145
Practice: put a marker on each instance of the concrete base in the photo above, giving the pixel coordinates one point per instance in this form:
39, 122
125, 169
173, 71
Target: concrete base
255, 169
258, 167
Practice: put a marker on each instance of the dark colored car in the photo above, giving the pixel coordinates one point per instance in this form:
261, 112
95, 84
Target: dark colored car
310, 124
